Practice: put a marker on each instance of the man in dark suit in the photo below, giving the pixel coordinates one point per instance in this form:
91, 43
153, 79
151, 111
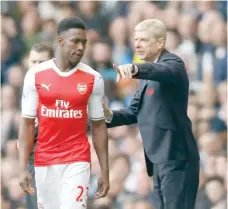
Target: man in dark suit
160, 109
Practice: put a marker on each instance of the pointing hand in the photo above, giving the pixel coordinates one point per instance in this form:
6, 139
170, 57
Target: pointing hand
124, 71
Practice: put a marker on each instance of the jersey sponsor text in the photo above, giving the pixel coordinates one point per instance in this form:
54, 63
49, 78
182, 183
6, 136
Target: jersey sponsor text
60, 113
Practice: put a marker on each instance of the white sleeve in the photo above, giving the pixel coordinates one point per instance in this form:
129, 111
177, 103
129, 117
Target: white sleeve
95, 108
29, 96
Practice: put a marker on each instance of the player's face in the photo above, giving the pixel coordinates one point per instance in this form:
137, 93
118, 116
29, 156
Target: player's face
147, 47
36, 58
73, 44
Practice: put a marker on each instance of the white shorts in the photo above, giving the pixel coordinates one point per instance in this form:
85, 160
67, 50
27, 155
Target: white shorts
63, 186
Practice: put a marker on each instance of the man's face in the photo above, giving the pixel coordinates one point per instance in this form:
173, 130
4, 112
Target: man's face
73, 44
146, 46
36, 58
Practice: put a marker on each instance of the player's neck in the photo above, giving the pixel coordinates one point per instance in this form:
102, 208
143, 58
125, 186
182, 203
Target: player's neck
64, 65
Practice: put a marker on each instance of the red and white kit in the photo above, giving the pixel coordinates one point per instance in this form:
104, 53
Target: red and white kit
62, 102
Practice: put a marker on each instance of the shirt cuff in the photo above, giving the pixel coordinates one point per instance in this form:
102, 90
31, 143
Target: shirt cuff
109, 120
134, 69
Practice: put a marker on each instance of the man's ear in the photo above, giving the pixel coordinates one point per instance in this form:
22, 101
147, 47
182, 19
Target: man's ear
60, 41
161, 43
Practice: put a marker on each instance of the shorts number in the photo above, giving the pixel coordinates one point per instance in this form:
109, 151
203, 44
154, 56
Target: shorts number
81, 193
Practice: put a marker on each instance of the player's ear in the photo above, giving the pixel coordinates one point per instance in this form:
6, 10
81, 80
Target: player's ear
60, 41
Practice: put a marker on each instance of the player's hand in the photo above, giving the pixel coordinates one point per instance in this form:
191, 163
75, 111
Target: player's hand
124, 71
26, 182
107, 112
103, 187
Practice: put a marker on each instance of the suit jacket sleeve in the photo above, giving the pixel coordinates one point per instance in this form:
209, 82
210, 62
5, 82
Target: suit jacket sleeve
126, 116
168, 71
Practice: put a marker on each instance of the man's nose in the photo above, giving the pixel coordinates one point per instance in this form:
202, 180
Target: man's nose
81, 46
137, 44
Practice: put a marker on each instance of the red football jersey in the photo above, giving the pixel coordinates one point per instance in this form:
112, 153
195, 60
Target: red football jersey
62, 102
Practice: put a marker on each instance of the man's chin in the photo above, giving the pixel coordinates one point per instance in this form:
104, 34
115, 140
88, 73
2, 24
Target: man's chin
142, 58
75, 62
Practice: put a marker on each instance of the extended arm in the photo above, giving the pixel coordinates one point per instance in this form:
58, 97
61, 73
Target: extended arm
128, 115
99, 134
167, 71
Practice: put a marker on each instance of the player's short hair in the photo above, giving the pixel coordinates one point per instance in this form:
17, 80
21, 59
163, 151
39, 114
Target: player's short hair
43, 48
70, 23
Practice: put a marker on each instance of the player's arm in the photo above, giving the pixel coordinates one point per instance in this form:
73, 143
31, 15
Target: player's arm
26, 140
27, 127
99, 134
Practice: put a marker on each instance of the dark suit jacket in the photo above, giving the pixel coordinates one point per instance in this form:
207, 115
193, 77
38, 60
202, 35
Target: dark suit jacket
160, 109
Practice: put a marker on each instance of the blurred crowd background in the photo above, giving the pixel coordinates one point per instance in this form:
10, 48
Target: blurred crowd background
197, 32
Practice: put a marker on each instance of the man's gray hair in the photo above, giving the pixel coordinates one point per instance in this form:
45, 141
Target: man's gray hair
156, 27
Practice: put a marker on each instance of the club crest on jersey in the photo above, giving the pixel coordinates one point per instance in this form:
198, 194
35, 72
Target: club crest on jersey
82, 88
